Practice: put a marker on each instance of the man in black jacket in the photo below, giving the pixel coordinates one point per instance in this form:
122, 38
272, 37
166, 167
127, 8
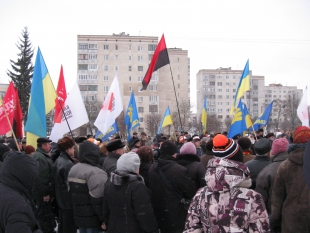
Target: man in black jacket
18, 174
169, 211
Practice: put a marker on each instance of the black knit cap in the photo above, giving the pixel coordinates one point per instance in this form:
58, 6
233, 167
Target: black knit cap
226, 148
168, 148
244, 143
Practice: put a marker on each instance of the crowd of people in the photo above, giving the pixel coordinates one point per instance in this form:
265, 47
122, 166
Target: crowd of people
166, 184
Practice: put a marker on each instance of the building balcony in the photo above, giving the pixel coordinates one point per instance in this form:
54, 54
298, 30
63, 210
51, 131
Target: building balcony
87, 81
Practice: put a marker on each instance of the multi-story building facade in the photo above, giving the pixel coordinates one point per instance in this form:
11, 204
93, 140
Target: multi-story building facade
102, 57
3, 88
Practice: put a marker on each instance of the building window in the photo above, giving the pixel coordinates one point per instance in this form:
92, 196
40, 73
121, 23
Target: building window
227, 90
105, 78
140, 68
129, 58
140, 99
129, 78
93, 67
92, 56
140, 48
227, 103
219, 90
129, 47
92, 88
106, 47
219, 96
219, 83
140, 109
106, 68
227, 77
152, 47
220, 116
179, 85
178, 59
129, 68
116, 68
106, 57
140, 119
82, 56
83, 87
140, 58
227, 96
140, 78
153, 108
152, 87
219, 110
130, 89
92, 46
116, 47
153, 98
83, 66
150, 57
83, 77
93, 77
116, 57
83, 46
219, 103
106, 88
178, 77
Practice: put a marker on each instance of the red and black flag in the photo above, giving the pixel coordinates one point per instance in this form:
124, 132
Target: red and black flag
160, 59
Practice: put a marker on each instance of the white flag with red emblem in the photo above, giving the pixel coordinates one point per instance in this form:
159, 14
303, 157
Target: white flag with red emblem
111, 108
302, 110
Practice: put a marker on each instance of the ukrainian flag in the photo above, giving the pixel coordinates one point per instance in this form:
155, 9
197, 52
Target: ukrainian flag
42, 101
166, 120
241, 121
204, 115
244, 85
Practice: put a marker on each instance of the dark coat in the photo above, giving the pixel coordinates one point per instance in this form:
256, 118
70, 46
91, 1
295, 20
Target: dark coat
205, 159
45, 184
101, 159
127, 204
144, 172
265, 179
290, 194
247, 155
61, 169
169, 211
18, 174
256, 165
109, 164
194, 168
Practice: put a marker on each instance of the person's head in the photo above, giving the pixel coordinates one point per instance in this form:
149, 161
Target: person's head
168, 148
150, 144
94, 141
143, 135
226, 148
128, 162
301, 135
209, 147
29, 150
135, 134
146, 154
279, 145
98, 140
244, 143
270, 136
134, 144
89, 153
188, 148
3, 149
44, 144
12, 144
225, 133
66, 144
116, 146
196, 141
262, 146
103, 148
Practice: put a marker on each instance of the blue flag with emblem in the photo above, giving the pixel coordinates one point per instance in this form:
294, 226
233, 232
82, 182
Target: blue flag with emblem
241, 121
263, 119
105, 136
131, 118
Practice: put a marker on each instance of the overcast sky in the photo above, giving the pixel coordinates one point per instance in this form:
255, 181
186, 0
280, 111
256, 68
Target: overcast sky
273, 35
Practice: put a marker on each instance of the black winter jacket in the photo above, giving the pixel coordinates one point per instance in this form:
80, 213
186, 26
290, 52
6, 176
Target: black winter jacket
127, 205
18, 174
169, 211
61, 169
109, 164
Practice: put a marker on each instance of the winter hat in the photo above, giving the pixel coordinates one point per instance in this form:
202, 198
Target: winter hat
168, 148
301, 134
115, 144
244, 143
88, 150
279, 145
188, 148
226, 148
262, 146
129, 162
65, 143
29, 149
12, 144
3, 150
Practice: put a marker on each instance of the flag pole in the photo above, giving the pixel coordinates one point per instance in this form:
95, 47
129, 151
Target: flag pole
254, 133
175, 94
7, 118
63, 112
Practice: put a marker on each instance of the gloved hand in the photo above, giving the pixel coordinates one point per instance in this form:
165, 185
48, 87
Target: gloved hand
275, 225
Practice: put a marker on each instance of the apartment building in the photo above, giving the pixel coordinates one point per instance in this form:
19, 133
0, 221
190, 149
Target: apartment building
101, 57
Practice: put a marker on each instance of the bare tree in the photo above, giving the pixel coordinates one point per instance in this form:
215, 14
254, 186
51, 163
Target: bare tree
213, 124
152, 121
290, 111
121, 125
227, 123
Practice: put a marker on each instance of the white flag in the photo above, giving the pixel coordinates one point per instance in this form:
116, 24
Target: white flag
111, 108
302, 110
75, 112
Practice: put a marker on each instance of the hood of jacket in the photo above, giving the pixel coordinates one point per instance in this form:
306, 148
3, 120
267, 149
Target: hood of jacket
185, 159
279, 157
122, 177
296, 153
223, 174
19, 171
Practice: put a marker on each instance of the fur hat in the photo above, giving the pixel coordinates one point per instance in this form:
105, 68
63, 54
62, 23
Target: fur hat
279, 145
188, 148
262, 146
133, 143
115, 144
301, 134
129, 162
226, 148
65, 143
168, 148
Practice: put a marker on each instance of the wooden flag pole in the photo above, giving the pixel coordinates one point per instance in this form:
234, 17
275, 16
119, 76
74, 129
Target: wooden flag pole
254, 133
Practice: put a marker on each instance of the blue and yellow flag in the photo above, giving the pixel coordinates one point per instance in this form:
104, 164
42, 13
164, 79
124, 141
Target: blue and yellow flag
244, 85
241, 121
131, 118
42, 101
263, 119
166, 120
204, 115
105, 136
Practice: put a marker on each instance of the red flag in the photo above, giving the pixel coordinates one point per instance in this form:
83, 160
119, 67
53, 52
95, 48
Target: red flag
61, 97
18, 117
159, 59
8, 104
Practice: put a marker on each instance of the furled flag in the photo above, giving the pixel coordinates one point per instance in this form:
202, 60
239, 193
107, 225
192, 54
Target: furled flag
166, 120
204, 115
131, 118
241, 121
159, 59
13, 110
263, 119
75, 112
42, 101
111, 108
112, 130
61, 97
302, 110
244, 85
